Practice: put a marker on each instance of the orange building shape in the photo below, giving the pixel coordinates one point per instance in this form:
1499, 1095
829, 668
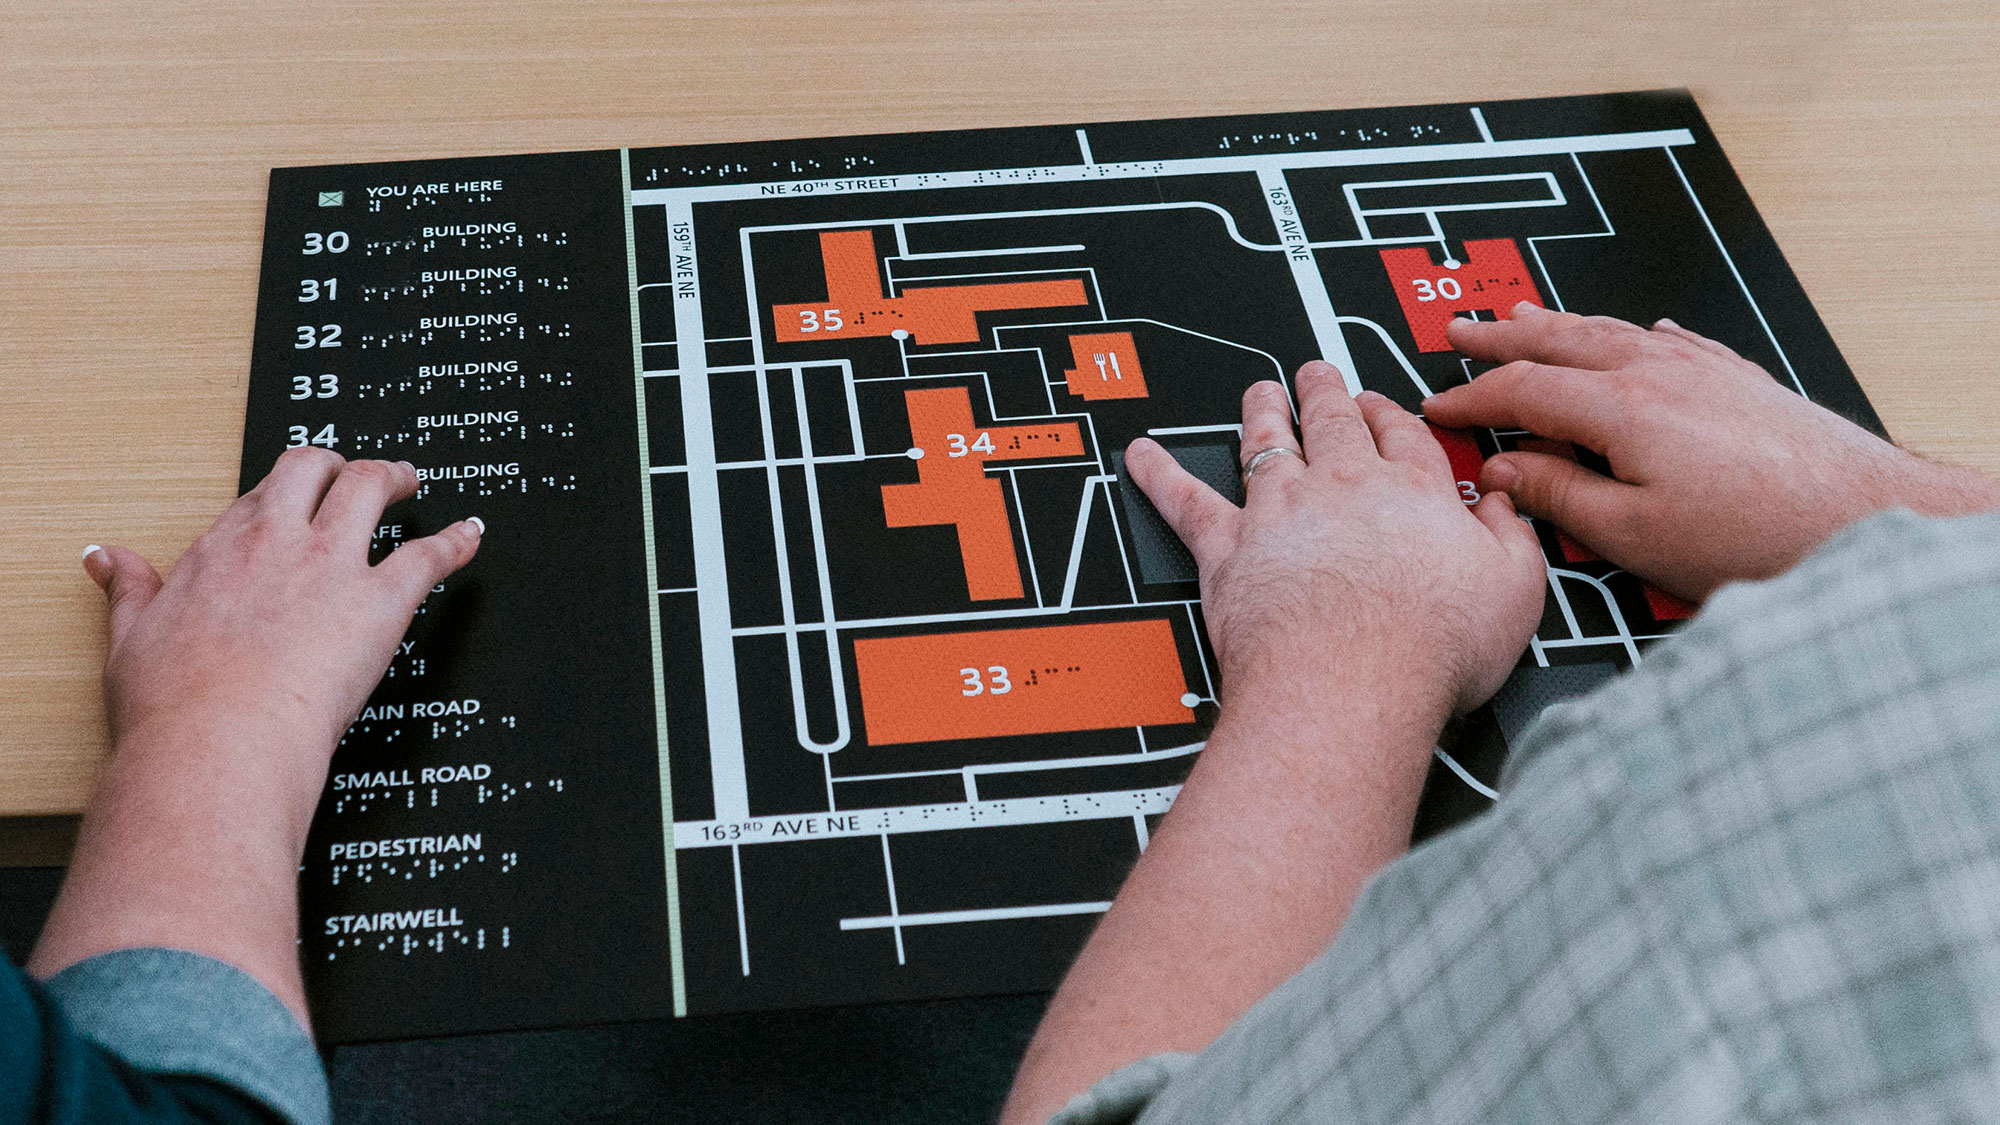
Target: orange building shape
987, 684
1107, 366
952, 486
944, 314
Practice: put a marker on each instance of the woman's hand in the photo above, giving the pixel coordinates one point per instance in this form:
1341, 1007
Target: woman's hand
1720, 473
1355, 559
229, 684
275, 616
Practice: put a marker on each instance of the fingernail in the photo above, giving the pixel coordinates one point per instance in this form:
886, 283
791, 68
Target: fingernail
407, 465
1501, 476
478, 525
1526, 306
91, 550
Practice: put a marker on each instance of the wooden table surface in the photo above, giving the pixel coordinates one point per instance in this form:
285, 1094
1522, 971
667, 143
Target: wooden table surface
135, 140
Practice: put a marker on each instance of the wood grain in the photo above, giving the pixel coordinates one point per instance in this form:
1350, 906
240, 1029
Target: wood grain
135, 140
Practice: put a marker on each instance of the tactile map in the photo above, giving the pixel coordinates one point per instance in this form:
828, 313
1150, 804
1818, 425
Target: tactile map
820, 650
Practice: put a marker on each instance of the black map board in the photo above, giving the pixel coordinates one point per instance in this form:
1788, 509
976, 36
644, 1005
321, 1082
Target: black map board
819, 651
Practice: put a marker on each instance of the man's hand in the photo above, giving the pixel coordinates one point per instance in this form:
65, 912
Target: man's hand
274, 615
229, 684
1358, 552
1353, 602
1718, 473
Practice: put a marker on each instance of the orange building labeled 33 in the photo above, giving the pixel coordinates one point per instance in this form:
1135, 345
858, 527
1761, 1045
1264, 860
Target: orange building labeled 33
996, 682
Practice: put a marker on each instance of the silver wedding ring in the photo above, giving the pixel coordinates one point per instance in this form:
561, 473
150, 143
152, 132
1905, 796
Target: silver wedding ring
1263, 456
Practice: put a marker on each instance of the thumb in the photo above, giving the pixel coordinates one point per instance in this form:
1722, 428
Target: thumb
1496, 510
127, 579
1588, 505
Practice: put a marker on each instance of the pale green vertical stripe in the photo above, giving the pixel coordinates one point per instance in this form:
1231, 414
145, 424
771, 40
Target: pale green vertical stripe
653, 597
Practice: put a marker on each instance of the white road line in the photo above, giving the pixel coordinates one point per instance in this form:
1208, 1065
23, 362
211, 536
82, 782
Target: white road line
1027, 544
1114, 322
1034, 765
1389, 342
1306, 276
1360, 213
1233, 428
728, 776
1610, 604
1076, 542
1193, 166
888, 871
1479, 119
997, 252
1579, 642
1465, 775
988, 813
1736, 273
836, 670
990, 914
1083, 145
742, 929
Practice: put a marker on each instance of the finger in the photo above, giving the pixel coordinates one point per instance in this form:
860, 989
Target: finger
1267, 424
353, 506
1329, 417
420, 564
1594, 343
1196, 512
127, 579
295, 485
1586, 407
1592, 507
1668, 327
1496, 511
1401, 435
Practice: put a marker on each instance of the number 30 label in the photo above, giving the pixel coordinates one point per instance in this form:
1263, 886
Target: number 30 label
1446, 287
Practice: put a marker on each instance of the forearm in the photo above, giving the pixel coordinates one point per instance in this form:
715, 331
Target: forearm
1934, 489
1293, 805
192, 841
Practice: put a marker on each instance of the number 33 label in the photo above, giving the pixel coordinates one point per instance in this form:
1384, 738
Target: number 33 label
994, 682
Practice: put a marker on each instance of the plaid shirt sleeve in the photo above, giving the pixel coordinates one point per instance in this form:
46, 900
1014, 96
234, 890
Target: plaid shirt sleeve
1755, 878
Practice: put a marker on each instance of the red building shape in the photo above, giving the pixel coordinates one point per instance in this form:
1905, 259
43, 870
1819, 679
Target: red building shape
936, 687
1493, 278
944, 314
1107, 366
952, 486
1462, 450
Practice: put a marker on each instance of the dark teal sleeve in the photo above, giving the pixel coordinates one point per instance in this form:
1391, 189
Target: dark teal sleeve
51, 1071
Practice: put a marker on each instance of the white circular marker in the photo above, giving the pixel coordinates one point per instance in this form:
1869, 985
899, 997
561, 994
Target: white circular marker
1452, 263
916, 453
1189, 699
899, 334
